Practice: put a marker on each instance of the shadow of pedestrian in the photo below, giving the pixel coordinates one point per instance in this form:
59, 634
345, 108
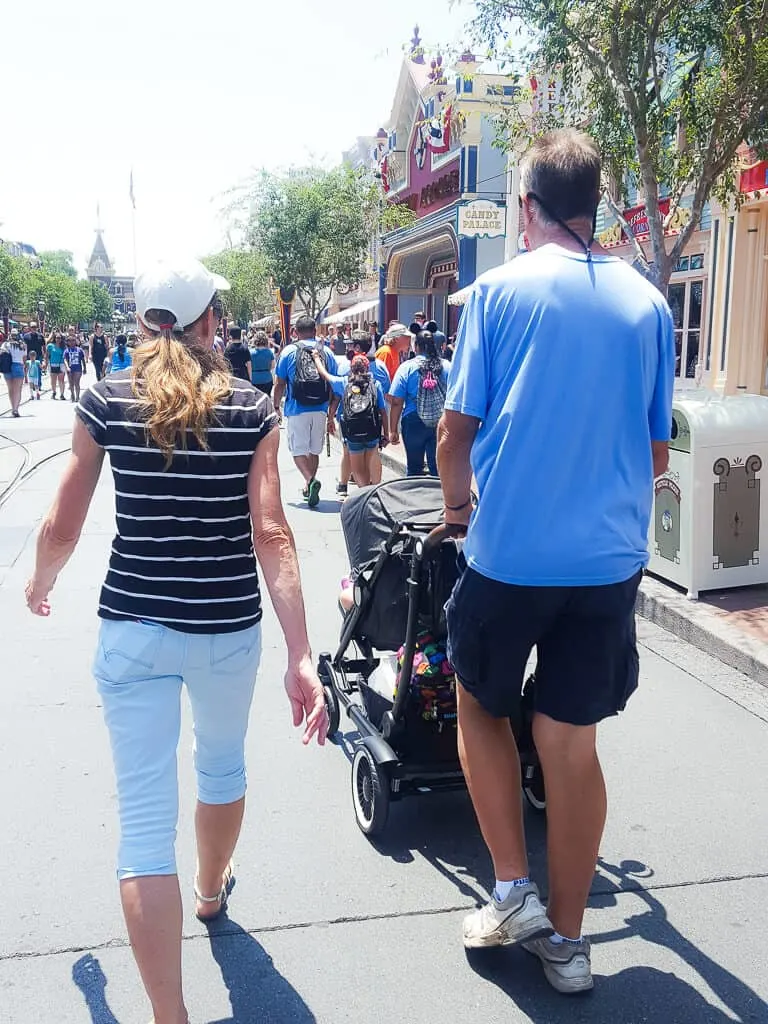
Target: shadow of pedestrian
257, 990
89, 977
635, 995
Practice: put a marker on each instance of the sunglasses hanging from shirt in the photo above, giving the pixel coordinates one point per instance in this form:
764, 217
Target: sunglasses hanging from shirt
587, 246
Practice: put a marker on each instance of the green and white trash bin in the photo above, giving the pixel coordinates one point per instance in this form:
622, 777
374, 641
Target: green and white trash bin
710, 515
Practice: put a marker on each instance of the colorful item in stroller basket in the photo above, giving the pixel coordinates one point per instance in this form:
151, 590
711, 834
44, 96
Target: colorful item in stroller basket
433, 681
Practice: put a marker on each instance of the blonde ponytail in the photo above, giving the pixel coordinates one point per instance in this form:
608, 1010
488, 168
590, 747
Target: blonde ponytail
179, 384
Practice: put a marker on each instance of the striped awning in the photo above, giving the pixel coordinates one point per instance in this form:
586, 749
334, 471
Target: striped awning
352, 312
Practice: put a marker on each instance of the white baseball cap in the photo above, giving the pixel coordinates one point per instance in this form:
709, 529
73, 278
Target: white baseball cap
182, 286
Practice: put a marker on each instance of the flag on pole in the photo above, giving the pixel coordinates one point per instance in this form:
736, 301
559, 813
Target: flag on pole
131, 192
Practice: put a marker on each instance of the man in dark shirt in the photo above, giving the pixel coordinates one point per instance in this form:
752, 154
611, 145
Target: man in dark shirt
99, 349
35, 341
238, 355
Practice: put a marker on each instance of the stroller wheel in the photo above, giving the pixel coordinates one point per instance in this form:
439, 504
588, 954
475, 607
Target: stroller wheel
334, 711
533, 787
370, 793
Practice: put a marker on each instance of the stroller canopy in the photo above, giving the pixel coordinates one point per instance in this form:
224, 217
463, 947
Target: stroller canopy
368, 517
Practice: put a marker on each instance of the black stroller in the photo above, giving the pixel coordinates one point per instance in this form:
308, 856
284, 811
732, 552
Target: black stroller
405, 562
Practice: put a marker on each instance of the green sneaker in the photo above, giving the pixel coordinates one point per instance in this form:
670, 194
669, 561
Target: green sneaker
314, 493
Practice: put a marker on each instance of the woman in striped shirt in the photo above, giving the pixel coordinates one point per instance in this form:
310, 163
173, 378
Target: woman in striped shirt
193, 453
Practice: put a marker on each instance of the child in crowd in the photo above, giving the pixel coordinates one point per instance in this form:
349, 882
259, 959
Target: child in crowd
34, 375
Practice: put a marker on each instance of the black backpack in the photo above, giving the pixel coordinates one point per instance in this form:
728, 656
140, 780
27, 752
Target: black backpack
360, 417
307, 386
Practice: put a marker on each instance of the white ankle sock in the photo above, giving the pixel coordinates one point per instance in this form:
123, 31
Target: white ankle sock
557, 939
503, 889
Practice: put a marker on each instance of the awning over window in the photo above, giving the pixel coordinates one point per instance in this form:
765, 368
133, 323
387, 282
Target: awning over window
352, 312
459, 298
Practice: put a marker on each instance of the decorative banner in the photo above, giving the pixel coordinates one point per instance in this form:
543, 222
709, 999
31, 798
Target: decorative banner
440, 131
285, 296
637, 218
482, 219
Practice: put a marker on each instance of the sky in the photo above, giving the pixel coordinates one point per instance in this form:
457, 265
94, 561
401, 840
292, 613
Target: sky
193, 98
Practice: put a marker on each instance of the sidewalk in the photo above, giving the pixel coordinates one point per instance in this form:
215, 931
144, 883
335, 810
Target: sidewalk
731, 625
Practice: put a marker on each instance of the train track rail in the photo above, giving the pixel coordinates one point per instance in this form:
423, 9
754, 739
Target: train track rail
28, 465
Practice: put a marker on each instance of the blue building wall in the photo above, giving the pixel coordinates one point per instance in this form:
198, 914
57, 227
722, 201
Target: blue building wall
492, 169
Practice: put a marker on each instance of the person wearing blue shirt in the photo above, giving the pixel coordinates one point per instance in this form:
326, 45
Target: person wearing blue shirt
419, 438
560, 403
121, 355
362, 454
262, 363
359, 345
305, 425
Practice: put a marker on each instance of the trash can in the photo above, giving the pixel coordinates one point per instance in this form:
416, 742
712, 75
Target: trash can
708, 515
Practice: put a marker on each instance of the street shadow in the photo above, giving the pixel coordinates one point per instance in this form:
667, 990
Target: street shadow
326, 506
635, 995
257, 990
89, 977
441, 828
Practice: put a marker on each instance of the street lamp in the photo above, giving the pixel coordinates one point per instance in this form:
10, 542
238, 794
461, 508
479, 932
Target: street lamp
41, 316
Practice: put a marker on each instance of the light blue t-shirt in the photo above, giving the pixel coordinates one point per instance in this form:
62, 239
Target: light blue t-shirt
339, 386
570, 367
286, 370
406, 382
378, 370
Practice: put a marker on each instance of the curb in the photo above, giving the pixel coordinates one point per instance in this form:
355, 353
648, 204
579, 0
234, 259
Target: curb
703, 628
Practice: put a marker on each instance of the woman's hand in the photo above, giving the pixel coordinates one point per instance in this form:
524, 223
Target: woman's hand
305, 692
37, 598
394, 437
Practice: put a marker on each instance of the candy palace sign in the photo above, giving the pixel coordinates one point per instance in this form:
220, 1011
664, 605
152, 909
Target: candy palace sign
482, 218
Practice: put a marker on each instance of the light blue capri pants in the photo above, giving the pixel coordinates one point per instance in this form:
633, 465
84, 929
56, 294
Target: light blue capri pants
140, 668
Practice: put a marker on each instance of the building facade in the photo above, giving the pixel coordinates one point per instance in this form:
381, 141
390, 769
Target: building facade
101, 271
436, 156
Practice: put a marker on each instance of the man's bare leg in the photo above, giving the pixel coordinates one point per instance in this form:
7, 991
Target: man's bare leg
576, 811
491, 766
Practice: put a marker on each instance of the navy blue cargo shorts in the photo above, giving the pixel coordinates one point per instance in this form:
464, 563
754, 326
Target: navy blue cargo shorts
585, 639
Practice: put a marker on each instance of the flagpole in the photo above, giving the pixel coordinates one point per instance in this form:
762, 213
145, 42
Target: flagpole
132, 196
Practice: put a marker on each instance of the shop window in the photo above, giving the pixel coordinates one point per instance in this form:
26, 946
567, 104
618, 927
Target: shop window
682, 264
697, 262
686, 263
686, 300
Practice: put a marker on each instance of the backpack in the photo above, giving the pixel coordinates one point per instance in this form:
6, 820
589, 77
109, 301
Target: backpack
430, 398
6, 362
307, 386
360, 417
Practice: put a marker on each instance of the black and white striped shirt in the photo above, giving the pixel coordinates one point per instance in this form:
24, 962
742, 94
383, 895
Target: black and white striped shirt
183, 554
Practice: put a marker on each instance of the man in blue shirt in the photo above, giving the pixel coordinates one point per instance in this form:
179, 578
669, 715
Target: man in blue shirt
560, 403
305, 424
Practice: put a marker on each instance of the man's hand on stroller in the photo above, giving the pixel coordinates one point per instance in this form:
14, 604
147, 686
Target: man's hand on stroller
305, 692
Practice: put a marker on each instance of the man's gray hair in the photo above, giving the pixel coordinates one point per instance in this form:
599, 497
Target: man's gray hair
562, 170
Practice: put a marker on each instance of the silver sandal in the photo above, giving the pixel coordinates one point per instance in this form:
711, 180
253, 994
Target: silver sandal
221, 898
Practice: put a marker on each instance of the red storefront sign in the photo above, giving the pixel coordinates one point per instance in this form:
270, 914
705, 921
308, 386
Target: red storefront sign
637, 218
755, 178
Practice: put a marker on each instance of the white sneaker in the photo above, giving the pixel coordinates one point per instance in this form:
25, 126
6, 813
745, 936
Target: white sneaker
519, 918
567, 965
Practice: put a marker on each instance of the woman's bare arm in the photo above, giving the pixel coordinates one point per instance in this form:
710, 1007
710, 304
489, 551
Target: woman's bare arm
63, 525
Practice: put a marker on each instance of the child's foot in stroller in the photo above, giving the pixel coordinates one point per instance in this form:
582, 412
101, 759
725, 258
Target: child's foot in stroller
313, 496
518, 918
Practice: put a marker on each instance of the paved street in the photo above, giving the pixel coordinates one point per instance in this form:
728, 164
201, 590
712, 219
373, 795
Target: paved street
323, 925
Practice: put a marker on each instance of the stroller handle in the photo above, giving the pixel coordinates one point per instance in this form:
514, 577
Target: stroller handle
440, 533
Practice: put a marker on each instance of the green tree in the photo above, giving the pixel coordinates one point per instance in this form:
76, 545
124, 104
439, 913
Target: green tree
13, 274
246, 270
58, 261
313, 228
670, 90
102, 303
